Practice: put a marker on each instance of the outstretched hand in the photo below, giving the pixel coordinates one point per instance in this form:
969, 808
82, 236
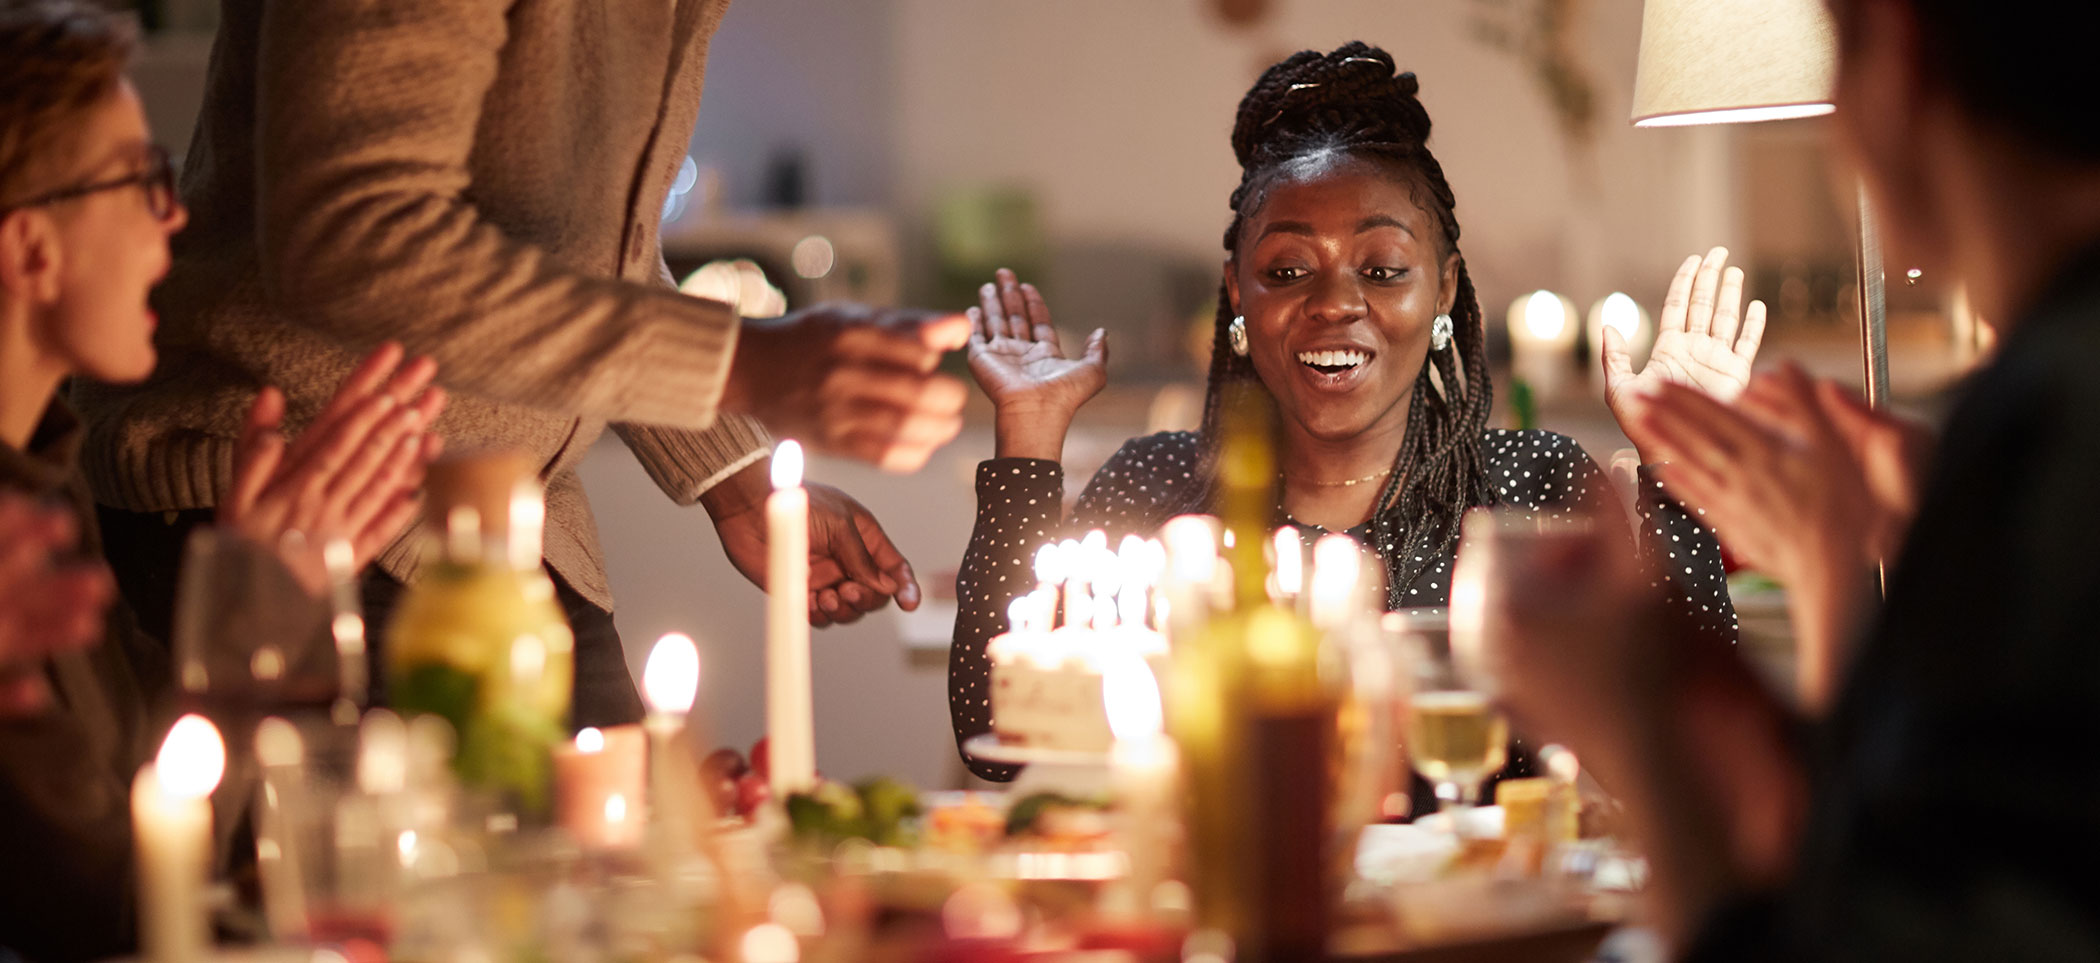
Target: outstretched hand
854, 568
1018, 360
1704, 340
353, 474
47, 606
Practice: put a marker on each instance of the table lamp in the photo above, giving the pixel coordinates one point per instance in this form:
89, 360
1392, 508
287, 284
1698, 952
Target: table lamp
1738, 61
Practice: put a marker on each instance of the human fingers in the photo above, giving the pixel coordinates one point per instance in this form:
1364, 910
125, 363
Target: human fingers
980, 331
1678, 301
1039, 317
355, 503
913, 345
1016, 306
36, 535
850, 388
1728, 305
1699, 313
384, 526
1617, 360
847, 546
1753, 333
370, 375
1097, 347
304, 484
994, 311
374, 467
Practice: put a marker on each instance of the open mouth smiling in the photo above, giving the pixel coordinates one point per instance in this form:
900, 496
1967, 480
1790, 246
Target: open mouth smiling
1334, 361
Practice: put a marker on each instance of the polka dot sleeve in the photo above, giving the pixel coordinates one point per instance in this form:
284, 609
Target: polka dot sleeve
1688, 554
1020, 504
1020, 507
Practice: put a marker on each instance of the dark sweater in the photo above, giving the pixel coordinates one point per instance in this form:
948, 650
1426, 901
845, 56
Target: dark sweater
65, 774
1955, 788
1020, 505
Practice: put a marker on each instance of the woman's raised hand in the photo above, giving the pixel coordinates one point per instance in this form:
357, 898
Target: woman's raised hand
1016, 358
1704, 339
353, 474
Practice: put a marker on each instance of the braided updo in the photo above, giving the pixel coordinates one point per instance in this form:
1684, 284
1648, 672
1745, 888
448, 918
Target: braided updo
1351, 103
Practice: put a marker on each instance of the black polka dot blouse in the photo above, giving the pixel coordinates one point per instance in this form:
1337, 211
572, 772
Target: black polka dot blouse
1020, 507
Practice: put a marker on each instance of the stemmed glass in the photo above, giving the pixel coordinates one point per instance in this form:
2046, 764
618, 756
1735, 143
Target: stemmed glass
267, 630
1455, 738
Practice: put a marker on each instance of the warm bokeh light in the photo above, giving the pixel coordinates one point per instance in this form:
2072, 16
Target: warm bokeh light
1544, 318
1337, 567
671, 678
787, 465
1192, 549
192, 758
1130, 692
590, 740
1290, 561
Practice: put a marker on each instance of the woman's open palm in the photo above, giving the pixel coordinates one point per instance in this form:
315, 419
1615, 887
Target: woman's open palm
1703, 339
1017, 359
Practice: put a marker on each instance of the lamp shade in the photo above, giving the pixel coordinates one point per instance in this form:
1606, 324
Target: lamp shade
1733, 61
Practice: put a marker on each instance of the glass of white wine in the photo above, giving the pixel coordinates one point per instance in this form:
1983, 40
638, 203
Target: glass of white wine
1455, 738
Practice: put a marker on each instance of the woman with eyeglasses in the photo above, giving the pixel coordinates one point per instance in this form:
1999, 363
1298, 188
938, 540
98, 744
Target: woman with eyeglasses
87, 203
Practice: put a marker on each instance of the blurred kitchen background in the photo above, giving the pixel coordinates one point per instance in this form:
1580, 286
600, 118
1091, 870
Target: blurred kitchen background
896, 151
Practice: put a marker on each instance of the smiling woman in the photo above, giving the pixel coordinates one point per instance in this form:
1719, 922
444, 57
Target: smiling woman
1345, 295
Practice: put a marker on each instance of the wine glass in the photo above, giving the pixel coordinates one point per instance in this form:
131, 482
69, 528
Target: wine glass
1455, 738
265, 630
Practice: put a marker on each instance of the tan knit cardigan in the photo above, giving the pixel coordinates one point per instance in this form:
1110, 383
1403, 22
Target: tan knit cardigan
481, 180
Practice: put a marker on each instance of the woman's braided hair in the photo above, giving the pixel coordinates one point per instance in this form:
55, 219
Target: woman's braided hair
1350, 102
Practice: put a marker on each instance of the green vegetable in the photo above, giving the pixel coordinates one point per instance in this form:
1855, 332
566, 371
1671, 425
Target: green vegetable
1022, 816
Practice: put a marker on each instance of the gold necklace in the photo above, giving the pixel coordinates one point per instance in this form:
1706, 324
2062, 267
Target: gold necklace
1347, 483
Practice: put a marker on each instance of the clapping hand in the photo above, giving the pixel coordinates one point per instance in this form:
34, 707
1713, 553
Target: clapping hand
1802, 481
1017, 359
1703, 340
353, 474
46, 606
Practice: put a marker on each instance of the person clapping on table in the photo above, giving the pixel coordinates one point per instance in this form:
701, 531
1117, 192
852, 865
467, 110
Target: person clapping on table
87, 204
1947, 805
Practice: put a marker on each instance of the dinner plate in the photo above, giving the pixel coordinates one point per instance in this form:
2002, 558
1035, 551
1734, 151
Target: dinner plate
988, 748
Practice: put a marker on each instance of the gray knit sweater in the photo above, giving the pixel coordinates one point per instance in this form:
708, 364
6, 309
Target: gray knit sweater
481, 180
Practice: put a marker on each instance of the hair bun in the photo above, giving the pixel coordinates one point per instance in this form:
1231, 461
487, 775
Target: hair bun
1349, 96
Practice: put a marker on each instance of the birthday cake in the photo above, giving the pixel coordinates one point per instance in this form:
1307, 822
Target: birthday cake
1063, 638
1046, 686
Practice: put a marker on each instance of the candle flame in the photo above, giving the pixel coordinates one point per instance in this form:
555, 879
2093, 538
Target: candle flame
1544, 316
590, 740
277, 743
1048, 564
672, 676
1192, 548
1337, 566
616, 808
787, 465
1623, 314
770, 943
1290, 561
192, 759
1130, 692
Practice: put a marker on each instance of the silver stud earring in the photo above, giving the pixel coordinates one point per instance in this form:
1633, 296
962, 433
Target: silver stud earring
1440, 333
1236, 332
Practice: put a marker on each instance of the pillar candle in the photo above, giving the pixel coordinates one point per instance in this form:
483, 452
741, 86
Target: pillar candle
171, 827
600, 786
790, 726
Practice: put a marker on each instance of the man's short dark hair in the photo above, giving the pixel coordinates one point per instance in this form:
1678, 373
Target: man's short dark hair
2030, 66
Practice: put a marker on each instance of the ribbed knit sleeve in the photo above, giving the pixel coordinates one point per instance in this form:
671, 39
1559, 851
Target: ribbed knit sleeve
367, 119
